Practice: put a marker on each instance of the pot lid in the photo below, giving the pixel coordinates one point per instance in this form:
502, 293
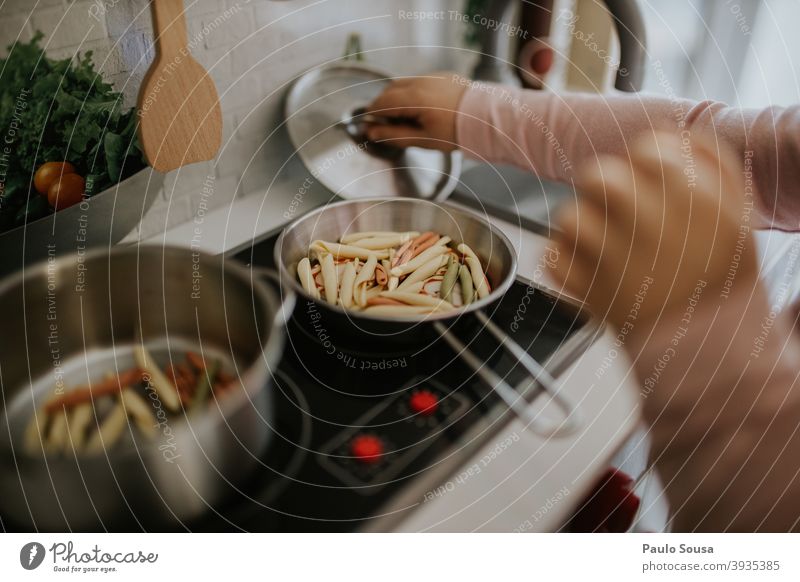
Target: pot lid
325, 121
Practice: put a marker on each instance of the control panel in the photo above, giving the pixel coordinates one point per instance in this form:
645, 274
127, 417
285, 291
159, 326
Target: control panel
387, 438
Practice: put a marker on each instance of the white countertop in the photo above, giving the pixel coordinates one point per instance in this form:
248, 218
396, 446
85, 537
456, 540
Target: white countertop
247, 217
536, 483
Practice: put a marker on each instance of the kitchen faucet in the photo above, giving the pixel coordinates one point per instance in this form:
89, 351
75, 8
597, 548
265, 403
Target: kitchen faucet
494, 63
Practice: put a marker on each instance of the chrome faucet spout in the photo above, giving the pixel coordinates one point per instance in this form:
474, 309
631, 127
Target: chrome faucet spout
497, 65
495, 62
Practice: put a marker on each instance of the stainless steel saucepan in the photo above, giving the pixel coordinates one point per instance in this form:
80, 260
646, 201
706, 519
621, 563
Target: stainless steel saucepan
73, 321
405, 214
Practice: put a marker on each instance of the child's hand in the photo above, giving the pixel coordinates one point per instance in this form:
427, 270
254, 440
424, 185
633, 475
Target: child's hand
429, 104
668, 214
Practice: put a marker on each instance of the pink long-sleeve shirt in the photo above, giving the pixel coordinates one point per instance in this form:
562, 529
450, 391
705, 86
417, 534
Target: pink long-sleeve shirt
720, 388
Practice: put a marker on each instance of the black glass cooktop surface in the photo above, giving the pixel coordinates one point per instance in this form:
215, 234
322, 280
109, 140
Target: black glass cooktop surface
349, 434
357, 421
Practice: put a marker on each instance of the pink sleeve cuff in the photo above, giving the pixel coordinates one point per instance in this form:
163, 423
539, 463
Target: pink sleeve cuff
471, 130
492, 124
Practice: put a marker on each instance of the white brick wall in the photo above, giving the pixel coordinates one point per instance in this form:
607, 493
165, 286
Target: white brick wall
13, 27
252, 55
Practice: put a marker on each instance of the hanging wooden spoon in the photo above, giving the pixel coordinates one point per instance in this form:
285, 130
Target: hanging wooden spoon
180, 117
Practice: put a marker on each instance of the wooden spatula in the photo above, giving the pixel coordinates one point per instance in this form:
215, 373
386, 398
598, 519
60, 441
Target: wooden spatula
181, 121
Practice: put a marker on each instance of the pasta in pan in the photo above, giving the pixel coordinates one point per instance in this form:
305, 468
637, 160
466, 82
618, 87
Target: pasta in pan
399, 274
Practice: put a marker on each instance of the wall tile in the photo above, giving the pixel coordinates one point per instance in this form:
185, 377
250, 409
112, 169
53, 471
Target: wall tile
124, 16
227, 27
14, 26
70, 27
15, 6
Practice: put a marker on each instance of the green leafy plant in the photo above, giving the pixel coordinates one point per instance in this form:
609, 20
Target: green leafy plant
58, 110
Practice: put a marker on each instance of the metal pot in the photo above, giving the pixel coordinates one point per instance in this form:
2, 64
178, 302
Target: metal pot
404, 214
324, 112
74, 320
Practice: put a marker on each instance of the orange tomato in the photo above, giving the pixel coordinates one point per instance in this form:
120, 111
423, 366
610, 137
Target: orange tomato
48, 173
66, 191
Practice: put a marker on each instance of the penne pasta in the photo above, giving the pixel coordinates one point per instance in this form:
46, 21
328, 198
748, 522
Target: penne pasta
466, 251
467, 289
478, 277
91, 418
351, 238
395, 256
341, 251
412, 287
417, 299
109, 431
156, 379
382, 301
438, 249
59, 433
382, 273
367, 272
424, 237
360, 295
140, 411
423, 272
455, 298
339, 268
449, 280
306, 276
348, 281
391, 273
425, 244
329, 279
398, 310
79, 422
373, 292
383, 242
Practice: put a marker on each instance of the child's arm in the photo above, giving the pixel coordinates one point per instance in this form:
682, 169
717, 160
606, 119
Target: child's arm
672, 267
552, 134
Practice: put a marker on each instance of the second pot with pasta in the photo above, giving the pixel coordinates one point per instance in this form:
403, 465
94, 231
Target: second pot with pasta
136, 387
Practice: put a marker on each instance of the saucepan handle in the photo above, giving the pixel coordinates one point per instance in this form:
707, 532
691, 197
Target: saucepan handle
511, 397
288, 297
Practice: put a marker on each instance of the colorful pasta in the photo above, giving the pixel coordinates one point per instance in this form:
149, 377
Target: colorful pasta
394, 274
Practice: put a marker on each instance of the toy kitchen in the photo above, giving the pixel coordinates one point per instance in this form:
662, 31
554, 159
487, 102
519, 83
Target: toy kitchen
505, 417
